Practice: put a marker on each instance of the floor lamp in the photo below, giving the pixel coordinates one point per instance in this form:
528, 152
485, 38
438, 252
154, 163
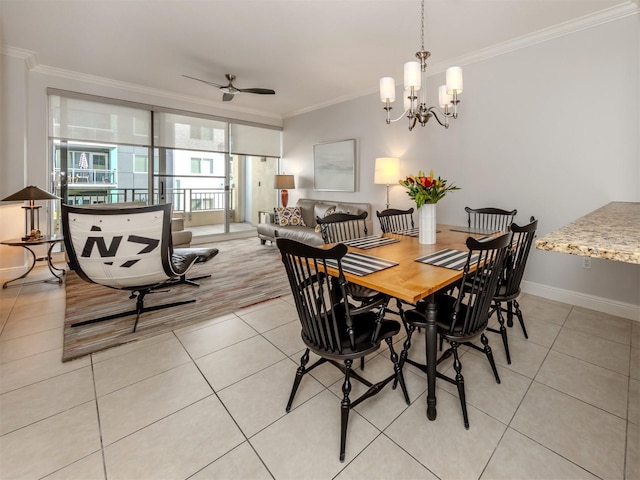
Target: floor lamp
283, 183
32, 222
387, 172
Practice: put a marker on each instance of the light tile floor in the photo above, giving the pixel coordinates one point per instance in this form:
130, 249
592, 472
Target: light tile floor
208, 401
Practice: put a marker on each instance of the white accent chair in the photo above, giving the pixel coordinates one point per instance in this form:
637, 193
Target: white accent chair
124, 248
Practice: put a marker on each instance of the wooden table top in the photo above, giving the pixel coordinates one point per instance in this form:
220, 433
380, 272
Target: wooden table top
410, 280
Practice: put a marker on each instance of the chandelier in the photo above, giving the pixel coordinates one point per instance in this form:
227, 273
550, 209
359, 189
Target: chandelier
416, 108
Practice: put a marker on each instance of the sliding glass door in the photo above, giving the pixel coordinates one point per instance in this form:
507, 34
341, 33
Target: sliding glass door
216, 173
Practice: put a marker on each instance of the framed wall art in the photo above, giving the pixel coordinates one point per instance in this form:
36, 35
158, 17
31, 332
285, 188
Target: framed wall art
334, 166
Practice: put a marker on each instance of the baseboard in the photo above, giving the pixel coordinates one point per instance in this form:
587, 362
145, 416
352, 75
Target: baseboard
599, 304
221, 237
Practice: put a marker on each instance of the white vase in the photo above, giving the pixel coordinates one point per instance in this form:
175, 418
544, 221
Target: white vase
427, 224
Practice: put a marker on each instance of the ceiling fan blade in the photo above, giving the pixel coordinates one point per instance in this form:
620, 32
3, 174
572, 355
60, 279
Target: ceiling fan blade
261, 91
227, 97
204, 81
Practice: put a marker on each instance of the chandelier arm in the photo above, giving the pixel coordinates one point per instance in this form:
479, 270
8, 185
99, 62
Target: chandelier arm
389, 120
435, 111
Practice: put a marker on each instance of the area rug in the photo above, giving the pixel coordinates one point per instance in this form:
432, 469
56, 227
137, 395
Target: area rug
244, 273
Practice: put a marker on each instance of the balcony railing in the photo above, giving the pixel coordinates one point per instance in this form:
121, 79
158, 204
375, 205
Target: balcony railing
183, 199
91, 176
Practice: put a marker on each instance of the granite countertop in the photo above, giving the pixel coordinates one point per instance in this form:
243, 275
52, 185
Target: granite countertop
611, 232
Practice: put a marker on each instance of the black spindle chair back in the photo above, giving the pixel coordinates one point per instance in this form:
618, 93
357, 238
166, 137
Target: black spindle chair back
394, 220
340, 227
490, 218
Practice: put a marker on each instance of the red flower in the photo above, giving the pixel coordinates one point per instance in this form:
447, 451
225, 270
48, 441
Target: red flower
425, 181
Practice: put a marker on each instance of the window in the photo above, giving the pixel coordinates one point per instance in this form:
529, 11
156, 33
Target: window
99, 161
140, 164
195, 165
201, 133
202, 165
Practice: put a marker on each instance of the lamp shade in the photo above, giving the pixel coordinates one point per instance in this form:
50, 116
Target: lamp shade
284, 182
387, 171
387, 89
444, 98
30, 193
454, 80
412, 75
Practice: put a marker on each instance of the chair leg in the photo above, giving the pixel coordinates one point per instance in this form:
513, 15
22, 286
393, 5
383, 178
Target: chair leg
397, 370
191, 281
503, 333
489, 354
405, 351
345, 406
510, 313
139, 310
519, 314
460, 383
299, 374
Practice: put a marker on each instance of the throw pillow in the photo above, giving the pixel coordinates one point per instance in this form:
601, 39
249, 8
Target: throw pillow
351, 210
323, 209
289, 216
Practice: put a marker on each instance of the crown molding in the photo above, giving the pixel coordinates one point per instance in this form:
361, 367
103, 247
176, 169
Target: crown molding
31, 62
139, 89
567, 28
28, 56
582, 23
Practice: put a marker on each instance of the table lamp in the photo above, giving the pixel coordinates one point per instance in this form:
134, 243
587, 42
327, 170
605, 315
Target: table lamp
387, 172
31, 194
282, 183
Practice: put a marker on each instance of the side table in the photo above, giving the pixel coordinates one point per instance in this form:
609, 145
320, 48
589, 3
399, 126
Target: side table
51, 241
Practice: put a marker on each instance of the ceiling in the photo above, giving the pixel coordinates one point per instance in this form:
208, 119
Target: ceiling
311, 52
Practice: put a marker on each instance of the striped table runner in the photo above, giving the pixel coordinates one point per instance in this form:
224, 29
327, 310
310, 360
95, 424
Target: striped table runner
447, 258
411, 232
475, 230
360, 264
370, 242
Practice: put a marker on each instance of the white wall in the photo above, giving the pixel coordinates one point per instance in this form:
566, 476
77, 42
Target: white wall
551, 129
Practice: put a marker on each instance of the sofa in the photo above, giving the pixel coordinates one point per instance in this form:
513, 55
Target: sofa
301, 224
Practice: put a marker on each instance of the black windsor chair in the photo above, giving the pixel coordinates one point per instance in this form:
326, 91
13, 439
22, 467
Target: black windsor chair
393, 220
332, 328
465, 316
490, 218
509, 284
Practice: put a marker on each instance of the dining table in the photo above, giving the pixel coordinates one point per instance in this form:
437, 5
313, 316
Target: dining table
404, 275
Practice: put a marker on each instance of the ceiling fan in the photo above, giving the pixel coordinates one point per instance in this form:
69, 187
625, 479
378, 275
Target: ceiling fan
229, 90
